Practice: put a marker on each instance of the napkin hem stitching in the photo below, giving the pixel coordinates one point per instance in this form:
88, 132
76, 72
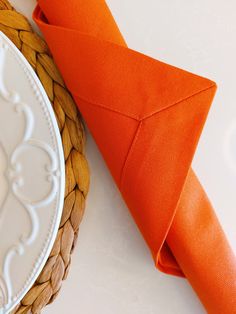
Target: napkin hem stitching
135, 138
136, 117
96, 104
213, 85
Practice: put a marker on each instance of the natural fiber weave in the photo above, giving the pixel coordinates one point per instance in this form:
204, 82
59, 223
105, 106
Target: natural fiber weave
48, 284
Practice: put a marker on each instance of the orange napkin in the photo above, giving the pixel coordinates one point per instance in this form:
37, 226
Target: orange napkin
146, 117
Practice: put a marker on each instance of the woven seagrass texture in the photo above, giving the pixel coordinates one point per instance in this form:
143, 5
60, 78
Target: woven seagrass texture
34, 48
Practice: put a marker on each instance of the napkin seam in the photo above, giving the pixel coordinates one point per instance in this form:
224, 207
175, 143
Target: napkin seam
213, 85
135, 138
136, 117
96, 104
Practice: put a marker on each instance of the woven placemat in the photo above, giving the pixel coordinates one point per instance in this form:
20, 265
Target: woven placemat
46, 288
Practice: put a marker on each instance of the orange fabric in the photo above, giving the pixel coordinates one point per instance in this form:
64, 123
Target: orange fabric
146, 117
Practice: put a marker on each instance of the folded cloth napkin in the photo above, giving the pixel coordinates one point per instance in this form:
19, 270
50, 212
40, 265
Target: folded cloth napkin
146, 117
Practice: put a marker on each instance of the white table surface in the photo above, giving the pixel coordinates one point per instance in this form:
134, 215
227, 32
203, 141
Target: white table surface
112, 271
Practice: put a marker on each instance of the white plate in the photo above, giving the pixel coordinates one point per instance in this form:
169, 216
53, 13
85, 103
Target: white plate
32, 176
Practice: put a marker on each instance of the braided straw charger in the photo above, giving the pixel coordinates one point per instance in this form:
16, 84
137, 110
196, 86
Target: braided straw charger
46, 288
